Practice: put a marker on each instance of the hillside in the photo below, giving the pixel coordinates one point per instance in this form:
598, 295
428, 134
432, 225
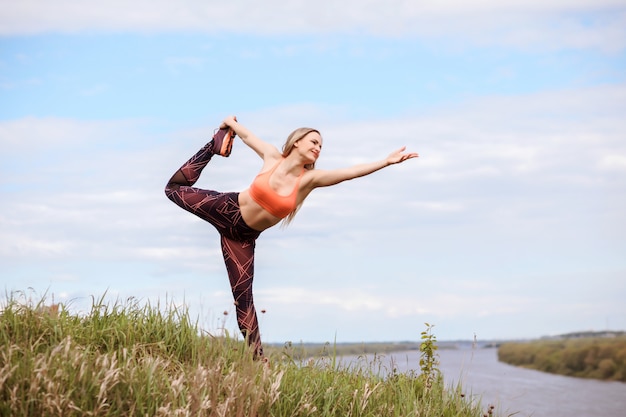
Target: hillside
133, 360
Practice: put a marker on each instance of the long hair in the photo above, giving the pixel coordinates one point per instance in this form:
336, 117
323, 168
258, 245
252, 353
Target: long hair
293, 137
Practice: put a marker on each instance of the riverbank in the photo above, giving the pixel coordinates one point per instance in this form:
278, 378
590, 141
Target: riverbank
130, 359
513, 390
599, 357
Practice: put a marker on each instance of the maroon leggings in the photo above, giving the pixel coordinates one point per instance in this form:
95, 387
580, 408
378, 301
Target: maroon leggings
238, 239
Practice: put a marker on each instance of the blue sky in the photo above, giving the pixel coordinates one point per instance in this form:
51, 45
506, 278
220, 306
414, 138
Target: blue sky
511, 223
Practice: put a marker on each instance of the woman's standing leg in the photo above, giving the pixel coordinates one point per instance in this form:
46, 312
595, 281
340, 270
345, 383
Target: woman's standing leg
239, 259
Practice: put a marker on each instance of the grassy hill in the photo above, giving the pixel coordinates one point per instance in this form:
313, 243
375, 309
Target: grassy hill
127, 359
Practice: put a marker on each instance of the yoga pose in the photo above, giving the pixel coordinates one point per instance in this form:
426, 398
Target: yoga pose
276, 194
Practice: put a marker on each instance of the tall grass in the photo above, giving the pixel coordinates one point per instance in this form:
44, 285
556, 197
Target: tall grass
127, 359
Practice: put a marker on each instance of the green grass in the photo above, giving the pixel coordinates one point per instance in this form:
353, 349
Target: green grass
128, 359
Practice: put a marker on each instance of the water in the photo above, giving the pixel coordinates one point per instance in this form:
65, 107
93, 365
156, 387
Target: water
517, 391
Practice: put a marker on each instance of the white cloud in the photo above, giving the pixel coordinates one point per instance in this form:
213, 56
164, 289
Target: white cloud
26, 247
348, 300
549, 24
340, 300
442, 206
613, 162
42, 134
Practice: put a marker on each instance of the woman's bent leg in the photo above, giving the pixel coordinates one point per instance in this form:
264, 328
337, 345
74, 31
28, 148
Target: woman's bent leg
189, 173
239, 259
203, 203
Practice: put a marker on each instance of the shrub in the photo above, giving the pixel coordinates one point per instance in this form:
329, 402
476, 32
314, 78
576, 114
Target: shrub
597, 357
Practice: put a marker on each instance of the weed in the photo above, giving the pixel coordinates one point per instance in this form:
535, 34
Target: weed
429, 359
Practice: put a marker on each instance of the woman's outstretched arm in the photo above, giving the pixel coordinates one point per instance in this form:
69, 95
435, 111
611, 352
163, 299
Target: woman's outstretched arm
325, 178
262, 148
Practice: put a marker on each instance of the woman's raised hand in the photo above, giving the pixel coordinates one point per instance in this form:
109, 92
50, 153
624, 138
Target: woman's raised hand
400, 156
228, 121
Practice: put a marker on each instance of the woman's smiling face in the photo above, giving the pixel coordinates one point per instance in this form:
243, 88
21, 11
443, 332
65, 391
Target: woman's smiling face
310, 145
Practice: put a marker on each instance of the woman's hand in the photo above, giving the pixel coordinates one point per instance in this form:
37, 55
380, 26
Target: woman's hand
399, 156
263, 149
228, 122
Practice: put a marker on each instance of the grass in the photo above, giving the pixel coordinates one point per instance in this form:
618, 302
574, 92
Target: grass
128, 359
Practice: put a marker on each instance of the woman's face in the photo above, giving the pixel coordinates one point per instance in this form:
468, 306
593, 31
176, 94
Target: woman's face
310, 146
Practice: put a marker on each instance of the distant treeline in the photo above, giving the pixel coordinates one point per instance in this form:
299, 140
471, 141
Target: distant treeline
586, 357
308, 350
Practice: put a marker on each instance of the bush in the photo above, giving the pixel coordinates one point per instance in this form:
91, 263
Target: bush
591, 357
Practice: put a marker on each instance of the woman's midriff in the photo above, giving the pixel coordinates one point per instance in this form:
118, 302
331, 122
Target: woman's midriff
253, 214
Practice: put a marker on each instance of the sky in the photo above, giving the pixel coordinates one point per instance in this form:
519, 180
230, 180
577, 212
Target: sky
510, 225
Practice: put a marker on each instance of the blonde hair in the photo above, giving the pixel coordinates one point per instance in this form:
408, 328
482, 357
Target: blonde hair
294, 137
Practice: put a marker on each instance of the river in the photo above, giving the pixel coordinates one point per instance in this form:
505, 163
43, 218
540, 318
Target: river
518, 391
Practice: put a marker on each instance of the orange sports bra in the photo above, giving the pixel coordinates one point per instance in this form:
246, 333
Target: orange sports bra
276, 204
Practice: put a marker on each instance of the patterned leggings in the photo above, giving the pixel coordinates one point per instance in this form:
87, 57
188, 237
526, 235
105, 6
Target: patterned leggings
237, 238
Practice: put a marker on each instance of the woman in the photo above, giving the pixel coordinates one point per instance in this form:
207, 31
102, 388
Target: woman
283, 183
